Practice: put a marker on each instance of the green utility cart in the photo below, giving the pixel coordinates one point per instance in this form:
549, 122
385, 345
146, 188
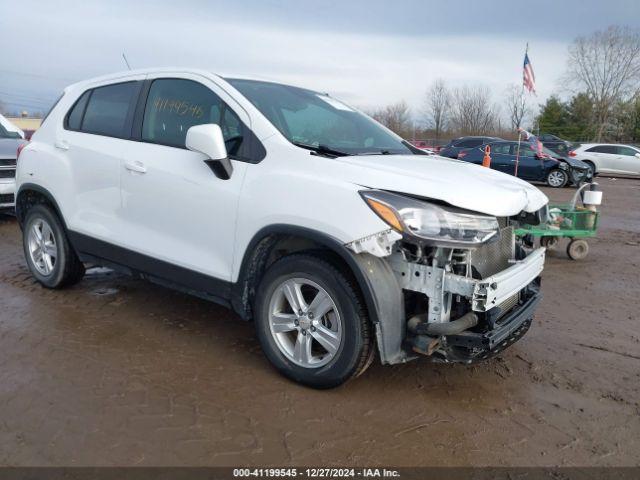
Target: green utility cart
566, 220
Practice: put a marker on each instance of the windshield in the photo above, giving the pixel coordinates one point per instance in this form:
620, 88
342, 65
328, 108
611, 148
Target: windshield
4, 133
316, 120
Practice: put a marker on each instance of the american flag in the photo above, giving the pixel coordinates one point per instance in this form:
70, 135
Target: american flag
528, 77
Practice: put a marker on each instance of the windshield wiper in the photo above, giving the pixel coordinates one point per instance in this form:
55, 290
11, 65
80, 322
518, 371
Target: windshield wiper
322, 150
378, 152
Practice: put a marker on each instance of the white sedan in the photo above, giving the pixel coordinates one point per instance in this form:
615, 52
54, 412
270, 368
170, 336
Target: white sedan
609, 158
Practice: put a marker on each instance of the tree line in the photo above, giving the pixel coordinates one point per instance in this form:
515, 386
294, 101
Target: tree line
602, 79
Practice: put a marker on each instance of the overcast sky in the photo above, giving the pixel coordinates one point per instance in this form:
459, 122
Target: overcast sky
366, 52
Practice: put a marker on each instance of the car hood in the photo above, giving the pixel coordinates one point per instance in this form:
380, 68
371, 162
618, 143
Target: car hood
573, 162
457, 183
9, 147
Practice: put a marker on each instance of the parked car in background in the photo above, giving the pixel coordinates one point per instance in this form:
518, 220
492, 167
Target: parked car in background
10, 130
557, 144
427, 146
252, 194
579, 171
9, 144
609, 158
456, 145
531, 166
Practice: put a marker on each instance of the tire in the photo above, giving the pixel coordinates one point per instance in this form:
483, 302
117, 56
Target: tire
549, 242
577, 249
557, 178
592, 167
344, 328
58, 265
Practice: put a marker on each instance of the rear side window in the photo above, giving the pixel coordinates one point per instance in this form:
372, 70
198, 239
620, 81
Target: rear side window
74, 118
108, 109
472, 142
603, 149
174, 105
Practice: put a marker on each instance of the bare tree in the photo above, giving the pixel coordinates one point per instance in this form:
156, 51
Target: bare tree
395, 117
437, 105
472, 112
516, 104
606, 65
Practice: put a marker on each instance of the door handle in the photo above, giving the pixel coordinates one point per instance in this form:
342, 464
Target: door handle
62, 145
136, 166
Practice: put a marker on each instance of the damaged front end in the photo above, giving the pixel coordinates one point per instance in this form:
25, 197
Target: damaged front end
468, 288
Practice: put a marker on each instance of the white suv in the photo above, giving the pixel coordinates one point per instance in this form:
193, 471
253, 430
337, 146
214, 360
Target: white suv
302, 214
609, 158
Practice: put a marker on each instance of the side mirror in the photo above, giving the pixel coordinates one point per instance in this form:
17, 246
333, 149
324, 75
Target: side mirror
638, 155
208, 139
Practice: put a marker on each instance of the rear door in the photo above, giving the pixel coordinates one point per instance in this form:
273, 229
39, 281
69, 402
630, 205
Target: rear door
500, 157
175, 209
605, 157
95, 133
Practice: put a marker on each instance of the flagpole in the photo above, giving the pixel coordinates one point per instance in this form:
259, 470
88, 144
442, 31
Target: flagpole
515, 174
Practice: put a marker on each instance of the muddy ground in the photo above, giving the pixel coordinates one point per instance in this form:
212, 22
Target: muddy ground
120, 372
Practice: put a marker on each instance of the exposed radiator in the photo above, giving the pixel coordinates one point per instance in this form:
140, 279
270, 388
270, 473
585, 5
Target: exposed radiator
495, 256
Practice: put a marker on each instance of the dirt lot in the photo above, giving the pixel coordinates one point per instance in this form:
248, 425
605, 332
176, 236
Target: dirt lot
121, 372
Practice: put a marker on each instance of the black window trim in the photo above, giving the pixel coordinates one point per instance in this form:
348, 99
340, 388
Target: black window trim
256, 150
128, 123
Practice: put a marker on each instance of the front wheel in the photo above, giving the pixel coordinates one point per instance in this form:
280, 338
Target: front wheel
311, 322
592, 169
557, 178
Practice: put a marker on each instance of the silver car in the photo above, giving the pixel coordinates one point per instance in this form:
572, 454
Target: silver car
9, 143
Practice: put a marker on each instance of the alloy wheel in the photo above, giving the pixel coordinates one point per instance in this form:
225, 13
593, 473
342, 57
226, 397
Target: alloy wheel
42, 247
305, 323
556, 178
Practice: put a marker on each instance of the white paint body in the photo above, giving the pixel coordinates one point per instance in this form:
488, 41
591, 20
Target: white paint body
165, 202
626, 161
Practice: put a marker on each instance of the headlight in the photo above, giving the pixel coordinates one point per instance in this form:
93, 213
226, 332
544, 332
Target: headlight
430, 222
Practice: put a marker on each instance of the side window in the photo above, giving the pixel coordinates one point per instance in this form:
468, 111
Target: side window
74, 117
108, 108
603, 149
630, 152
526, 151
473, 142
174, 105
501, 148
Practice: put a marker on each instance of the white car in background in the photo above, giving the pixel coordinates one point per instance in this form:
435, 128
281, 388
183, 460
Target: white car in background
609, 158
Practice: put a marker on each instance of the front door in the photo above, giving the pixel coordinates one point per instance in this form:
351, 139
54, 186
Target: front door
627, 161
529, 166
176, 210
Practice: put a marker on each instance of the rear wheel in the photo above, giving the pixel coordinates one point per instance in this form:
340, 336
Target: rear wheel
557, 178
311, 322
577, 249
49, 255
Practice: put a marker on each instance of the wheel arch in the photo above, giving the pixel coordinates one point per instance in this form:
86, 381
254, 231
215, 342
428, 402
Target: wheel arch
275, 241
30, 194
374, 277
